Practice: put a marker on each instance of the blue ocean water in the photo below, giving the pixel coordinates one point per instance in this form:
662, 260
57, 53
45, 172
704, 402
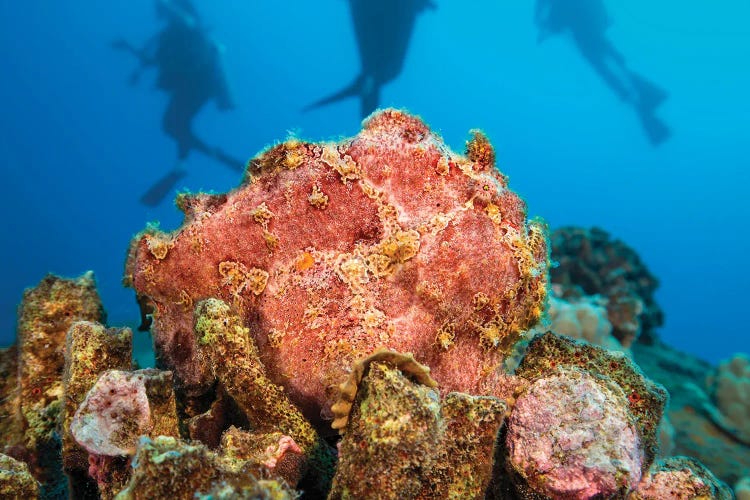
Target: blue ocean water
79, 145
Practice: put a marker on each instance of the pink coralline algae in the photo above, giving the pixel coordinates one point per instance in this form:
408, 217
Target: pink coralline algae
330, 251
570, 435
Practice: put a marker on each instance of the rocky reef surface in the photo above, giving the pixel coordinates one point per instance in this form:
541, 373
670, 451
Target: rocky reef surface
367, 319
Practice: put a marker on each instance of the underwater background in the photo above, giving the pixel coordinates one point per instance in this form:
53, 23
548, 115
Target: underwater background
79, 145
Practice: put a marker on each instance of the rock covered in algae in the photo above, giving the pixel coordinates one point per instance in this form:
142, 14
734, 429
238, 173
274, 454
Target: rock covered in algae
168, 468
121, 407
402, 441
46, 313
277, 452
645, 399
90, 349
328, 251
231, 352
571, 435
681, 478
15, 479
11, 429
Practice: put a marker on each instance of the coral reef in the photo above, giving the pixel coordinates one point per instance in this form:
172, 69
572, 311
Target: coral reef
729, 386
46, 313
589, 262
380, 287
329, 251
11, 429
582, 318
692, 413
403, 441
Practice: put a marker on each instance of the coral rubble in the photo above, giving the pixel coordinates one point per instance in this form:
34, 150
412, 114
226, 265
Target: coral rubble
589, 262
645, 399
329, 251
123, 406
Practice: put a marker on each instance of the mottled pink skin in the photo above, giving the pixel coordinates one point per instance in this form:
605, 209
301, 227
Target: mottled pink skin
570, 436
117, 406
416, 178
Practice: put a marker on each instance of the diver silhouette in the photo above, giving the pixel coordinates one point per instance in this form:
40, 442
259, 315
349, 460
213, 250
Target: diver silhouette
189, 69
587, 22
383, 29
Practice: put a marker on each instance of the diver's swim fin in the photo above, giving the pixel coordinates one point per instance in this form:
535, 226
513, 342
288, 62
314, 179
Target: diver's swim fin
656, 130
156, 193
354, 89
649, 96
229, 161
218, 155
369, 98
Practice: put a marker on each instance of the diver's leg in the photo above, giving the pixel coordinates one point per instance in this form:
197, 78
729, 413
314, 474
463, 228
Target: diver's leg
596, 52
645, 94
649, 95
176, 124
164, 186
370, 97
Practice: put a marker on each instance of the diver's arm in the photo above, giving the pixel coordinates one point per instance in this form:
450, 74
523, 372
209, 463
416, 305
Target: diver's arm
146, 55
